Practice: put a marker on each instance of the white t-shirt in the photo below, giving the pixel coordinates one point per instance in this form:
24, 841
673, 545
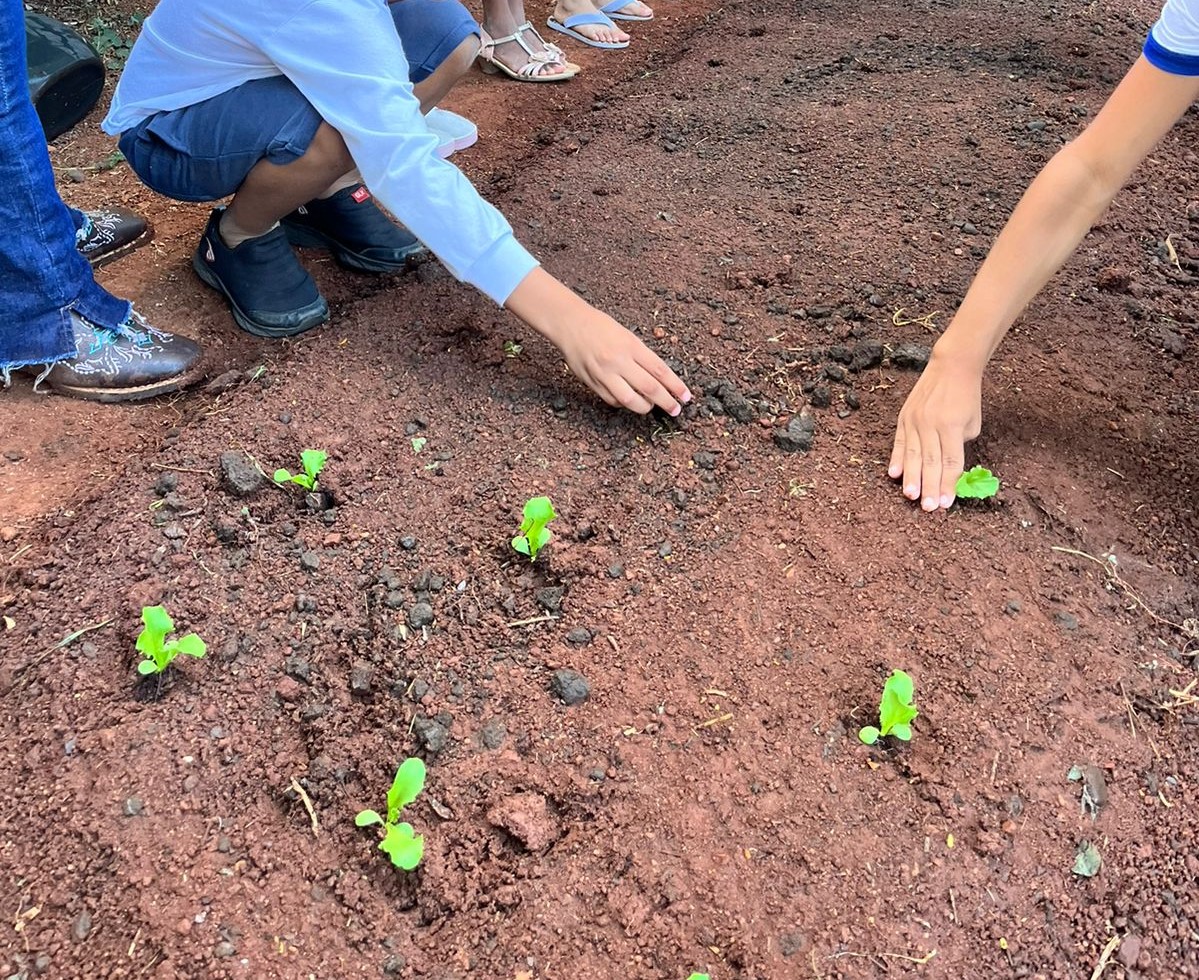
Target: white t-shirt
347, 60
1173, 42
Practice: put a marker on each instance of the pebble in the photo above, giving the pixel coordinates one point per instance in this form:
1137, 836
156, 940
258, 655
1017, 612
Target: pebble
432, 734
579, 636
394, 965
852, 400
131, 807
865, 355
183, 927
1014, 607
241, 477
550, 599
1129, 951
408, 542
7, 533
1067, 621
310, 561
493, 734
82, 926
1036, 125
704, 460
969, 229
912, 356
420, 615
616, 571
299, 668
287, 689
569, 686
166, 483
665, 550
796, 436
224, 949
362, 675
821, 397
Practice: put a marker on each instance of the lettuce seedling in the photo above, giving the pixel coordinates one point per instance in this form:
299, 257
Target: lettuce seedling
534, 535
895, 710
152, 644
978, 483
400, 842
313, 461
698, 976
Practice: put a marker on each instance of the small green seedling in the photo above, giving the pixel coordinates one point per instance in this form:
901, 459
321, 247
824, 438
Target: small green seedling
151, 642
313, 461
978, 483
698, 976
400, 842
895, 710
534, 535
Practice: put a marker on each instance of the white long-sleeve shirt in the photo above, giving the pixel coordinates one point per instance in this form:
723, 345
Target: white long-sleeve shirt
347, 60
1173, 43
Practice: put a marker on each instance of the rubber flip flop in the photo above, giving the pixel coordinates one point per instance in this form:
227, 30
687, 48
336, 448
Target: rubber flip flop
578, 20
613, 9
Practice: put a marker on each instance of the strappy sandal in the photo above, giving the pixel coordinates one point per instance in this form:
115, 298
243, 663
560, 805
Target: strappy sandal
534, 69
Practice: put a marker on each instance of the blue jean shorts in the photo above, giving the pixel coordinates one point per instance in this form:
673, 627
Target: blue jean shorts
203, 152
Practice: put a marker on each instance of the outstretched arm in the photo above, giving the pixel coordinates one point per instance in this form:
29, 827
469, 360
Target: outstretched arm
944, 409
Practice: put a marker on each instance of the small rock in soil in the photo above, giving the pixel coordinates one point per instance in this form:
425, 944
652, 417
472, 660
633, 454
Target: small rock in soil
240, 475
852, 400
362, 675
394, 600
736, 405
132, 807
579, 636
312, 712
420, 615
298, 668
526, 817
394, 965
791, 943
678, 498
550, 599
911, 356
569, 686
305, 603
821, 397
1014, 607
223, 382
224, 949
419, 689
166, 483
433, 735
8, 534
616, 571
287, 689
408, 542
665, 549
704, 460
310, 561
81, 928
493, 734
834, 372
1129, 951
1067, 621
797, 436
867, 354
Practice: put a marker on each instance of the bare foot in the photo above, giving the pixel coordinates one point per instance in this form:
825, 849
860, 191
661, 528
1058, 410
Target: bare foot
634, 8
596, 32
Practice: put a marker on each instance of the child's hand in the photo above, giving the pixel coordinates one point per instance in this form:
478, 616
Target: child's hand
942, 412
609, 359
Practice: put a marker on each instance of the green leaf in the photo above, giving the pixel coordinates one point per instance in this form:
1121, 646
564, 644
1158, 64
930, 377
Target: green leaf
147, 667
313, 461
282, 476
521, 544
895, 709
869, 734
698, 976
900, 684
1087, 860
539, 511
402, 846
191, 644
977, 483
367, 818
418, 443
409, 781
902, 732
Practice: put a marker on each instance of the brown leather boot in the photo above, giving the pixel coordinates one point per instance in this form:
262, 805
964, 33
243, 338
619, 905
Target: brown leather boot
111, 233
138, 361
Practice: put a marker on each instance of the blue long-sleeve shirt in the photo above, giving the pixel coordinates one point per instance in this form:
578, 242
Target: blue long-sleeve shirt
346, 58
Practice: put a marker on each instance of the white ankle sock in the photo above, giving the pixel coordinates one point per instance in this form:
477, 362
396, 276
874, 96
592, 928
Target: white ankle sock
352, 179
233, 234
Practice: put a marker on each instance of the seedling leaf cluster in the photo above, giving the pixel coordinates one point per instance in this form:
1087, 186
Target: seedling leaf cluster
978, 483
534, 535
313, 461
400, 842
895, 711
153, 646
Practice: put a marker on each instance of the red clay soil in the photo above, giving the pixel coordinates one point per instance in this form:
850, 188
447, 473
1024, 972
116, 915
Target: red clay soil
766, 191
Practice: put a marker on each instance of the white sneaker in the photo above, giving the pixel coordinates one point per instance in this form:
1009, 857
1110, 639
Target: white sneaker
454, 131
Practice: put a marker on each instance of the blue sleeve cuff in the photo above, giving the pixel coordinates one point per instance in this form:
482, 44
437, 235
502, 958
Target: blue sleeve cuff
1169, 61
499, 270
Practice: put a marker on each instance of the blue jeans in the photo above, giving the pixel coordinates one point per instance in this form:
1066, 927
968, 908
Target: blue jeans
43, 278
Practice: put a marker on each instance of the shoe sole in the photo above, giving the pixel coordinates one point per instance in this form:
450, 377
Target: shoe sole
104, 258
139, 393
209, 278
303, 237
450, 147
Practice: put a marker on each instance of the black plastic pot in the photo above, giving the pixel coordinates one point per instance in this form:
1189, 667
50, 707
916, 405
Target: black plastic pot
66, 75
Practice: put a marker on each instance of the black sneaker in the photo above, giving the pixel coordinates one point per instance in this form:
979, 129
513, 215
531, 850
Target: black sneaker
110, 233
351, 225
134, 362
269, 292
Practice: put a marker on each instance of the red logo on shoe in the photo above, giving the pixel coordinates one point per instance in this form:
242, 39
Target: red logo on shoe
360, 195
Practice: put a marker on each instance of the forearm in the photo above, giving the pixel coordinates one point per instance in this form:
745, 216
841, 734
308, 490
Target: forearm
546, 305
1054, 214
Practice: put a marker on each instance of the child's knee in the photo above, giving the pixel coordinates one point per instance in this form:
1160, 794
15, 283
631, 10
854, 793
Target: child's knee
329, 151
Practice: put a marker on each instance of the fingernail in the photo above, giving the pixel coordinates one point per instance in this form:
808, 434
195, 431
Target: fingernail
911, 492
686, 396
894, 472
947, 501
929, 503
674, 412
